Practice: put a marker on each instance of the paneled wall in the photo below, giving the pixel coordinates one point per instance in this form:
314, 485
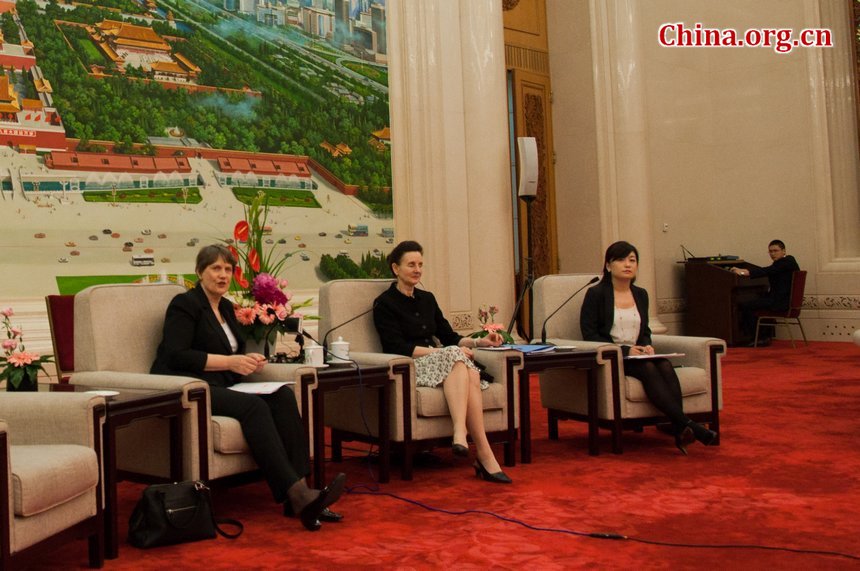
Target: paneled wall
718, 149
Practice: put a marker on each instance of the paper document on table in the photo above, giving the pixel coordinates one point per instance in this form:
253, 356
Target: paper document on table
261, 387
655, 356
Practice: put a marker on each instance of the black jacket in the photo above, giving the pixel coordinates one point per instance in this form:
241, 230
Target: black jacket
598, 314
779, 276
191, 332
404, 322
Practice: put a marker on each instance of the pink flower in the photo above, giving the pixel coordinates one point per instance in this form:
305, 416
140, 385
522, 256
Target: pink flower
283, 283
265, 316
23, 358
7, 312
245, 315
10, 344
282, 312
493, 327
16, 331
266, 290
493, 310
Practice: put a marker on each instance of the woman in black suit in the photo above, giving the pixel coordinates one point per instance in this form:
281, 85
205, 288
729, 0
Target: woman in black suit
616, 311
201, 339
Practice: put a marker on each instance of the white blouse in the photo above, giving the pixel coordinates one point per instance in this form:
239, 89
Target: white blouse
234, 343
625, 326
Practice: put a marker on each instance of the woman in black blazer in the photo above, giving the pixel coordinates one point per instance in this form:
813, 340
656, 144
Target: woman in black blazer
616, 311
201, 339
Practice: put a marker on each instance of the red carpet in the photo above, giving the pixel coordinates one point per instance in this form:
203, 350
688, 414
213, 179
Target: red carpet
785, 476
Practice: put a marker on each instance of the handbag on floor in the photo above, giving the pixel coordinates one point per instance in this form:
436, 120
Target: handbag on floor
176, 513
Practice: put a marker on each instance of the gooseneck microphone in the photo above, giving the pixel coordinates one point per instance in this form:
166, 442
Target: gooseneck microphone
595, 279
339, 325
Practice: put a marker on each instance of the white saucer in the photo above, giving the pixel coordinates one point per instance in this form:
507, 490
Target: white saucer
104, 393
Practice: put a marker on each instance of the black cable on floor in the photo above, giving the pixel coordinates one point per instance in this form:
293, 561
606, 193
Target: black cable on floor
598, 535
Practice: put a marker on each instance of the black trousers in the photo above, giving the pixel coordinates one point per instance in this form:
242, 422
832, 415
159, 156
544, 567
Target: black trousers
273, 429
748, 318
662, 386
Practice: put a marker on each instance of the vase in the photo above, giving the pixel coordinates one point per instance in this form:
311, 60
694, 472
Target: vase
265, 347
28, 383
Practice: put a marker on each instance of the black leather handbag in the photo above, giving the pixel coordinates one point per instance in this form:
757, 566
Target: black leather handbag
181, 512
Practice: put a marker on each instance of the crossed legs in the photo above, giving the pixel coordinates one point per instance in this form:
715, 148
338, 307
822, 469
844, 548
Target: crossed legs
462, 389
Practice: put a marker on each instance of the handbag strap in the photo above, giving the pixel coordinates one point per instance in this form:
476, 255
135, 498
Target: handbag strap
219, 521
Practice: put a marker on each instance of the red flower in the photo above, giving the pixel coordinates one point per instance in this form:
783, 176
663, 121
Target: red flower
239, 276
254, 260
240, 232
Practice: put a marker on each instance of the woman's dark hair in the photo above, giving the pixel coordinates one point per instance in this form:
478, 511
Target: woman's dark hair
401, 250
208, 255
618, 251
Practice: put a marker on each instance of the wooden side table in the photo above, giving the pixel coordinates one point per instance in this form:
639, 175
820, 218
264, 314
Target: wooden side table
346, 377
540, 361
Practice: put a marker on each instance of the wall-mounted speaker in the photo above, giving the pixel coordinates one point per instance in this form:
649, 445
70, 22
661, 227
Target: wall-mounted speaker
527, 167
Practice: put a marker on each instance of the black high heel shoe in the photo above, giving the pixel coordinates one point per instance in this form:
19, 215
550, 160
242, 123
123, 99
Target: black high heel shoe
460, 450
684, 438
702, 434
310, 515
497, 478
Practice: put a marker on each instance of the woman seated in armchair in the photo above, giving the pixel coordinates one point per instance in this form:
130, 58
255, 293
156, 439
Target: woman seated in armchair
616, 311
201, 339
409, 321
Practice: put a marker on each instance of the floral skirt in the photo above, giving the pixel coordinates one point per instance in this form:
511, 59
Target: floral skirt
431, 370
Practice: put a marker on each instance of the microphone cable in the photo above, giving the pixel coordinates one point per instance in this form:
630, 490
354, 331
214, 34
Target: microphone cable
366, 490
360, 388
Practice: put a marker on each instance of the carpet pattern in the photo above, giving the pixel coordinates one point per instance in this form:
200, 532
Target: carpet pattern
786, 475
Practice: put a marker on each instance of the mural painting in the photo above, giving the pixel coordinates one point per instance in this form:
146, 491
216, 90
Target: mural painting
132, 132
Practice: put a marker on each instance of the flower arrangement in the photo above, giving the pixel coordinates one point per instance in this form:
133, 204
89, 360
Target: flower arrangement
16, 361
262, 304
487, 316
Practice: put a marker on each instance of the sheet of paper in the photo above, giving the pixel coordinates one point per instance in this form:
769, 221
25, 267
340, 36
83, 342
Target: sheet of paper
260, 388
655, 356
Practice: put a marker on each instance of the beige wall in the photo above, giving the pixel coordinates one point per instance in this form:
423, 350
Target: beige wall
737, 147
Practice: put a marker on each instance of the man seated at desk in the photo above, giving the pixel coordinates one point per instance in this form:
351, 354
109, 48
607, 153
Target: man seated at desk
778, 298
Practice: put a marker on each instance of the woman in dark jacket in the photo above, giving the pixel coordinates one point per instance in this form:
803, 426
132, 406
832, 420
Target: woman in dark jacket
616, 311
409, 322
201, 339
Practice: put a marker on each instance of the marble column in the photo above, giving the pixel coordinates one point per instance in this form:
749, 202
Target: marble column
625, 185
449, 147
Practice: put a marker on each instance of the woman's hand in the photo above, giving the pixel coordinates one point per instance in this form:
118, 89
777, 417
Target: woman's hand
642, 350
491, 340
468, 352
246, 364
261, 361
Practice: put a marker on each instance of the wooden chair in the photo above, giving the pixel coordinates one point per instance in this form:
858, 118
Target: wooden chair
61, 318
769, 318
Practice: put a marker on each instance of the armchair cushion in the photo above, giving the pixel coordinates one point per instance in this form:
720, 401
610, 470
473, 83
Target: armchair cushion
45, 476
431, 401
227, 437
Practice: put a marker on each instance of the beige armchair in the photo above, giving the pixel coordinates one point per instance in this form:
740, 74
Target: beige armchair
51, 474
419, 415
117, 331
622, 403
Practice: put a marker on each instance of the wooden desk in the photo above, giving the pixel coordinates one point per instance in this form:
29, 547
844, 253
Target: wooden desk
713, 295
538, 362
346, 377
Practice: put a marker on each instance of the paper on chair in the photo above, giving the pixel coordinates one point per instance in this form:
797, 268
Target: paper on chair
261, 387
655, 356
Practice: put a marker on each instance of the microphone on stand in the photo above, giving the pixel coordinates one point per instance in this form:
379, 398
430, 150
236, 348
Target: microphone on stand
595, 279
339, 325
